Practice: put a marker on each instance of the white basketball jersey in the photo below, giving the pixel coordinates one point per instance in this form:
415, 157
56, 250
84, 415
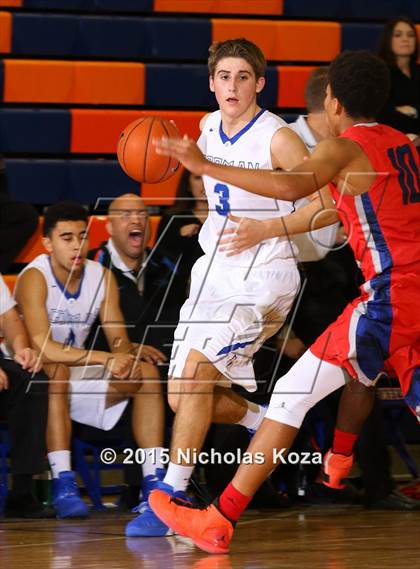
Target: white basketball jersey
249, 148
315, 245
71, 315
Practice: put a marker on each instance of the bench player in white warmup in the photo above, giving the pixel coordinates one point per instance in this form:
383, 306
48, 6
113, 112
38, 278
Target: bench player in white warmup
60, 295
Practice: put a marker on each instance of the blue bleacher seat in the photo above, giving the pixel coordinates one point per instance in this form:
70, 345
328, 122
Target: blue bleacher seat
35, 130
39, 34
151, 38
178, 86
411, 8
37, 181
268, 96
91, 180
179, 38
359, 9
125, 5
92, 5
113, 37
175, 85
48, 181
360, 36
61, 5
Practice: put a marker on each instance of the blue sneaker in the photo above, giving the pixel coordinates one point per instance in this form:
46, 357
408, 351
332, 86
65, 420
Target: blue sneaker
66, 498
147, 524
150, 482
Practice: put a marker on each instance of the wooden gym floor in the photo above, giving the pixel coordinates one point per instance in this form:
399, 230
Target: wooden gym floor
328, 538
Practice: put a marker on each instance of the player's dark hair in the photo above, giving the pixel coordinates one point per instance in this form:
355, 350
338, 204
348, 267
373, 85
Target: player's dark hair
360, 80
239, 47
385, 46
315, 90
63, 211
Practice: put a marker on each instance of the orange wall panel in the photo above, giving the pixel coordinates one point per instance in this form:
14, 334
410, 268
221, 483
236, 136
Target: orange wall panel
11, 3
307, 41
47, 81
37, 81
221, 6
163, 193
5, 32
108, 83
292, 82
261, 32
10, 281
98, 130
288, 41
97, 230
153, 227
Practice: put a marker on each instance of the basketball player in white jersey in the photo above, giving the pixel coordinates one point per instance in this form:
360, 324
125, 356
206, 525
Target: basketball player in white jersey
235, 304
60, 295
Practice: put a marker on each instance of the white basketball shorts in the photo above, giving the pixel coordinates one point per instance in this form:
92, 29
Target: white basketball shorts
88, 392
230, 313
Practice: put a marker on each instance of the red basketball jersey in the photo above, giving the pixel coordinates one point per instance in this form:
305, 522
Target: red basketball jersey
384, 222
381, 328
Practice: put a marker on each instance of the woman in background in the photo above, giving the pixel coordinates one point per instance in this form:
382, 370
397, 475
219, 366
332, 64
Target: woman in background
399, 49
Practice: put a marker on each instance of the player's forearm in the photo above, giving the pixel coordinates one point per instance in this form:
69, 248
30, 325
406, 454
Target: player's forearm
308, 218
118, 340
124, 347
14, 331
18, 342
56, 352
287, 186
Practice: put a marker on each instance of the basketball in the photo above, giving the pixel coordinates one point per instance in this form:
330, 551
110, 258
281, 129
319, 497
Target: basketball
136, 152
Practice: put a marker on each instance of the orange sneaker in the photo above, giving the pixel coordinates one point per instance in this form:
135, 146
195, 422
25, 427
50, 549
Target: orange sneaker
208, 528
335, 468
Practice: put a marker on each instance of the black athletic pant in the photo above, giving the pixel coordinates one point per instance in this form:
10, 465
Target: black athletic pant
26, 415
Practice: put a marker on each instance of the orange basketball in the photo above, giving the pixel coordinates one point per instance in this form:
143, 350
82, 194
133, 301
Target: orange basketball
136, 152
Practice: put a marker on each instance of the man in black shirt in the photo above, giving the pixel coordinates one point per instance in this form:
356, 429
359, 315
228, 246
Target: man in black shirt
124, 254
141, 281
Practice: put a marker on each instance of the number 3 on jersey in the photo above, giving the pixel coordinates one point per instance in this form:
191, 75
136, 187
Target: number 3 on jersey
223, 207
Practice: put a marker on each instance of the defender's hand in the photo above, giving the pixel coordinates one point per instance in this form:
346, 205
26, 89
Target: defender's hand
248, 233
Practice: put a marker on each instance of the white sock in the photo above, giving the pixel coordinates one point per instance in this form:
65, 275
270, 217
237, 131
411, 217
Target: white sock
178, 476
59, 462
253, 416
152, 460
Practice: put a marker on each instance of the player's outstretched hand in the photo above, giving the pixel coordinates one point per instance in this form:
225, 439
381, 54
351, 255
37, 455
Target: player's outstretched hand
185, 150
246, 234
29, 359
